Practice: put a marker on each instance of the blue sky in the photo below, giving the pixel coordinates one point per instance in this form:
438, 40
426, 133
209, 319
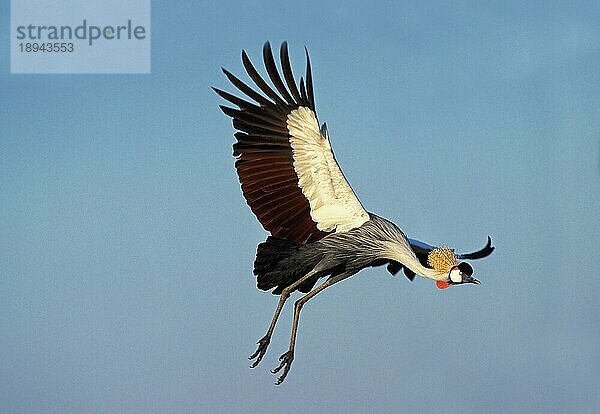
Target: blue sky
127, 248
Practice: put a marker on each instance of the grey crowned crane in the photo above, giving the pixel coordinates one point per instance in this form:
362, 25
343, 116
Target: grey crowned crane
295, 187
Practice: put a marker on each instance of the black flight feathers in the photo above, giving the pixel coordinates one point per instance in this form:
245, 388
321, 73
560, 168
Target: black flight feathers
288, 96
479, 254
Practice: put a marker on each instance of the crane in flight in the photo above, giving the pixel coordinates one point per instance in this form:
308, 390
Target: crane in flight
294, 185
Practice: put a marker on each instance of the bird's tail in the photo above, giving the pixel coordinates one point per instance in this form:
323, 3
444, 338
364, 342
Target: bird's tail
280, 263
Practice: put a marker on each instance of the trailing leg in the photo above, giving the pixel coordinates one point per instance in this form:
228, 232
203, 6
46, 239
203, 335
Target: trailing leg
287, 358
263, 343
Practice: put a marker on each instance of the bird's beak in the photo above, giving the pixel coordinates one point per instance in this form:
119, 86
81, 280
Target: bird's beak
471, 280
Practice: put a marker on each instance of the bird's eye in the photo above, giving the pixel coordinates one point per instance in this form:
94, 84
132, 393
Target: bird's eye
456, 275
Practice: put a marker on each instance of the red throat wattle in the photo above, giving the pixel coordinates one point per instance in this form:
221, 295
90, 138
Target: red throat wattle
441, 284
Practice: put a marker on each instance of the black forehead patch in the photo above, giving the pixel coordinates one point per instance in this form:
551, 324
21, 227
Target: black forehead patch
466, 268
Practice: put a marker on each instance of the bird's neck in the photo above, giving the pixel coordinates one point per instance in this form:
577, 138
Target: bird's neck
405, 255
427, 272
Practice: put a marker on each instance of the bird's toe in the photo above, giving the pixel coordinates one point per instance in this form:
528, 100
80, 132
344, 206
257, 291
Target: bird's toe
260, 352
285, 364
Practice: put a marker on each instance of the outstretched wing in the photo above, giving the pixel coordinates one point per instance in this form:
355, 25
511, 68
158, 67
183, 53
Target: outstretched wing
422, 251
285, 164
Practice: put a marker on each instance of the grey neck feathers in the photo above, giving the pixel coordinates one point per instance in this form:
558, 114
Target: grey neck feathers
396, 247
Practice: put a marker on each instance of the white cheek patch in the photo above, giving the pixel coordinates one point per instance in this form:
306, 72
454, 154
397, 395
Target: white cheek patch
456, 276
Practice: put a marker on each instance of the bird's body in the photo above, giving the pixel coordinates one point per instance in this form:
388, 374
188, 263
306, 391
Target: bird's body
293, 184
375, 242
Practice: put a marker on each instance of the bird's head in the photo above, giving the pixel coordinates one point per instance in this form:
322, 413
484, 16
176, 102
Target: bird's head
459, 274
444, 261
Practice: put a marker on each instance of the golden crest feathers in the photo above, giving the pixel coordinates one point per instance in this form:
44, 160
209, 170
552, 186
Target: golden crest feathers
442, 259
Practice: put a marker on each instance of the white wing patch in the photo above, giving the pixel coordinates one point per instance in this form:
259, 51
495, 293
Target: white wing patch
333, 204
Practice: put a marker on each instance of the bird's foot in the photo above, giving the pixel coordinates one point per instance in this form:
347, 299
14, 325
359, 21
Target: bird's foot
285, 364
263, 343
